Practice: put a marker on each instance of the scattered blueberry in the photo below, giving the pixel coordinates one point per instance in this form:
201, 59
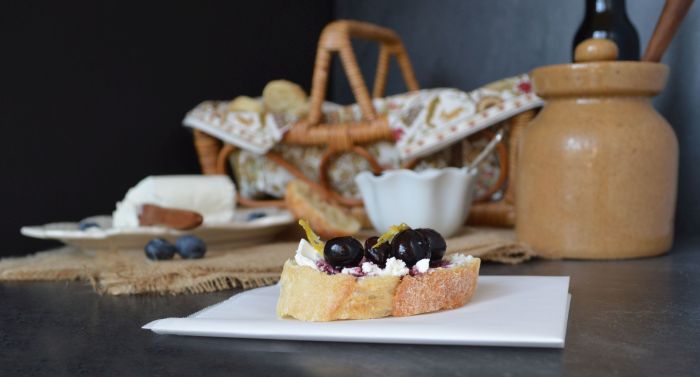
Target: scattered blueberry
255, 215
190, 247
85, 225
159, 249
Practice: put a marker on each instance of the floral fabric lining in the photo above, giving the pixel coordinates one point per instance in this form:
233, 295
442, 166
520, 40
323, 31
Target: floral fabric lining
424, 124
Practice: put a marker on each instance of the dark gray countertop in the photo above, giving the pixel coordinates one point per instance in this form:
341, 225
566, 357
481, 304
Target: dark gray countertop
639, 317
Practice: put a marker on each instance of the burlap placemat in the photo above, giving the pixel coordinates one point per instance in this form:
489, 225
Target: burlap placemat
118, 272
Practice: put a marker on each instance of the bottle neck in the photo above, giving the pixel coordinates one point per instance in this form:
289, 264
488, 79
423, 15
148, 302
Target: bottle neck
608, 19
616, 8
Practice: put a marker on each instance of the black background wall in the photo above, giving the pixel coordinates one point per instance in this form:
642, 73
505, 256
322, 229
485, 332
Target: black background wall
92, 94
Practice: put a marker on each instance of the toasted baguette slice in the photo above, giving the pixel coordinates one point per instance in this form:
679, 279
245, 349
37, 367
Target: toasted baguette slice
311, 295
327, 219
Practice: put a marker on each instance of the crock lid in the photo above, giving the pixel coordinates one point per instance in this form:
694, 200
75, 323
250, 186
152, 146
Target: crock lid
597, 73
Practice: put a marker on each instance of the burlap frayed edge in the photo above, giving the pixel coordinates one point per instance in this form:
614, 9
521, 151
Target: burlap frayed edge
52, 265
183, 285
508, 254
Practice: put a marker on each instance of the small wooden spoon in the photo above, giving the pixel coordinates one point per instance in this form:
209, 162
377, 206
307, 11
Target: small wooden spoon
671, 17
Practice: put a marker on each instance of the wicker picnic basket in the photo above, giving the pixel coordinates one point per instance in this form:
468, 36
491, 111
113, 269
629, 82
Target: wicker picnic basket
351, 137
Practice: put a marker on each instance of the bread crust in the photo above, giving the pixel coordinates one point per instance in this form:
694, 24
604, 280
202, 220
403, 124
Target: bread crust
440, 289
310, 295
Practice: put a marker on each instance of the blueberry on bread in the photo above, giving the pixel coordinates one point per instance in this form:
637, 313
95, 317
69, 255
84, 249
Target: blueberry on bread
401, 273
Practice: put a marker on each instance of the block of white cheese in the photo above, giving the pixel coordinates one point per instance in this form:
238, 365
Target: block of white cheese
212, 196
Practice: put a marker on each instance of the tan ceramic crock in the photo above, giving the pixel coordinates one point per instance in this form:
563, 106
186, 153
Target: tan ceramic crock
599, 165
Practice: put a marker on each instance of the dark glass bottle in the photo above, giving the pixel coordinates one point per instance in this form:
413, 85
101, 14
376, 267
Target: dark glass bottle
608, 19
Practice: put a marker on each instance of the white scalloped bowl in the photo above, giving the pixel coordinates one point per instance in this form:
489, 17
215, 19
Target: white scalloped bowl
432, 198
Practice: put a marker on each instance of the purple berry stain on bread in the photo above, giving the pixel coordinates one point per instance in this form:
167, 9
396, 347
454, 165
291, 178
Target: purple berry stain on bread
326, 267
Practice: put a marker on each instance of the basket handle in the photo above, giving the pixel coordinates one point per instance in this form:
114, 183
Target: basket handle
336, 38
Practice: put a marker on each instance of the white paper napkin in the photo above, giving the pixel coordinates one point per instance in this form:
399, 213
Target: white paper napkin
520, 311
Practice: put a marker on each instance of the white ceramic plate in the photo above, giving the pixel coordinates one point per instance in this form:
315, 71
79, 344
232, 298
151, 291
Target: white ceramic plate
516, 311
239, 232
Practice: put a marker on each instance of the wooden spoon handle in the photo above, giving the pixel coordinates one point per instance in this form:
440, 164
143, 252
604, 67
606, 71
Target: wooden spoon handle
671, 17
